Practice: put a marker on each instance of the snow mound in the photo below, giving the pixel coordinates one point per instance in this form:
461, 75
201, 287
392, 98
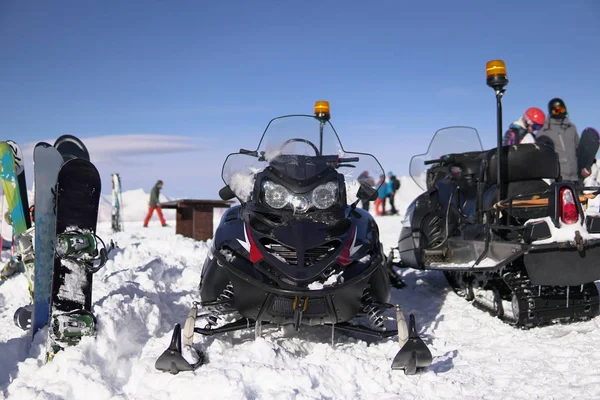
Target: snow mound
151, 280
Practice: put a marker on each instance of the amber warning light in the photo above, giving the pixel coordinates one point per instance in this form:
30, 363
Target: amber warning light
322, 108
495, 72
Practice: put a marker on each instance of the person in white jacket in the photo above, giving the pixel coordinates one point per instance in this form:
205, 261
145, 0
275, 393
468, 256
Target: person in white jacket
523, 130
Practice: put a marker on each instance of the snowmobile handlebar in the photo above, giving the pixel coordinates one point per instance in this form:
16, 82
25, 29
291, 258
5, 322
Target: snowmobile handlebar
446, 159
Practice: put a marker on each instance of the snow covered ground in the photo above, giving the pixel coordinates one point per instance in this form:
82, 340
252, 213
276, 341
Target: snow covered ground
152, 278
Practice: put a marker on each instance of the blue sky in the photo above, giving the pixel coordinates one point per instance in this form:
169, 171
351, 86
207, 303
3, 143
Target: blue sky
212, 74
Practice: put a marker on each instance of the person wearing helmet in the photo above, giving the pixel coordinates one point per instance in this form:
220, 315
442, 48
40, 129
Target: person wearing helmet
523, 130
561, 134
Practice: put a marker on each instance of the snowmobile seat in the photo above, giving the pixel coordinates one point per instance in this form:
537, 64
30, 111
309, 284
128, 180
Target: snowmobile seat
526, 162
528, 166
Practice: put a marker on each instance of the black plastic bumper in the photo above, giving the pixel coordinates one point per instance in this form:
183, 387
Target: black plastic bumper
259, 301
561, 265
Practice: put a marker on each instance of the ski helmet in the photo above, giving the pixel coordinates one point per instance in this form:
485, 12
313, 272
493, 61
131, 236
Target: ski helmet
557, 108
535, 117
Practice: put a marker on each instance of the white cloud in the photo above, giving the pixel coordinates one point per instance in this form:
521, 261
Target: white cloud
112, 147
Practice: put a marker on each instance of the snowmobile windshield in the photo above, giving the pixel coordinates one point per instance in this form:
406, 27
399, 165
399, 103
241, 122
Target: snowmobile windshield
451, 140
301, 148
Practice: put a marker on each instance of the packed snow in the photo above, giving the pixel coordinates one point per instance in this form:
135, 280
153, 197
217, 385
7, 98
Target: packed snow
152, 278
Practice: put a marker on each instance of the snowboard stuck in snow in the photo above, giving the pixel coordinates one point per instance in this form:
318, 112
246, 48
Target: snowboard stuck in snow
61, 251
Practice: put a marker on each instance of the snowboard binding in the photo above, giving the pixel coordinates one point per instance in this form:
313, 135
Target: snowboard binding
67, 329
84, 248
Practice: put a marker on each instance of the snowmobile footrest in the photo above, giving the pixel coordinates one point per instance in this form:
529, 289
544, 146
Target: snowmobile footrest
172, 360
414, 354
238, 325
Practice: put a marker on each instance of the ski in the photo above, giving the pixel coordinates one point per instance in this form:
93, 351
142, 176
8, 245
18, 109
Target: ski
117, 223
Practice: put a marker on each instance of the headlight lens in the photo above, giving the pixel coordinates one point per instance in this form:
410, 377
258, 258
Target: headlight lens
324, 196
276, 196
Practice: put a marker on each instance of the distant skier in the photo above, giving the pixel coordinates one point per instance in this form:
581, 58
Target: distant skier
561, 134
393, 186
523, 130
154, 204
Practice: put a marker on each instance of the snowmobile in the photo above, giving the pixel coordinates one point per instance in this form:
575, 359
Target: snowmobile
297, 251
509, 234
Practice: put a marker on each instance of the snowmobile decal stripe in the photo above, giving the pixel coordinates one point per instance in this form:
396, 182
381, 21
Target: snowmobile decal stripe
350, 249
250, 246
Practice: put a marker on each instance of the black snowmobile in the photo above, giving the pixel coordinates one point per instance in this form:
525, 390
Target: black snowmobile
514, 244
295, 252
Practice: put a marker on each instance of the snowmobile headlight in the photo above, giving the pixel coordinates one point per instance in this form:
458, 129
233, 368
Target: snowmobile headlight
276, 196
300, 203
324, 196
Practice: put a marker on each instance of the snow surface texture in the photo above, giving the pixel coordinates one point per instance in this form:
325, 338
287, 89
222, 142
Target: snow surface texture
152, 279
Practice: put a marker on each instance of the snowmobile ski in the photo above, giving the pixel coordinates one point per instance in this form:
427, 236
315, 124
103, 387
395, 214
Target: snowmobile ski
171, 360
414, 354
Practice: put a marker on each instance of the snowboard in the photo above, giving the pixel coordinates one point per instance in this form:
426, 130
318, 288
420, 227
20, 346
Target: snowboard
587, 149
71, 147
77, 200
8, 175
117, 225
47, 162
20, 170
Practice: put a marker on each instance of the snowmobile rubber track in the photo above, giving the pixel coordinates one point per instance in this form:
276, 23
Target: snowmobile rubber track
537, 306
543, 305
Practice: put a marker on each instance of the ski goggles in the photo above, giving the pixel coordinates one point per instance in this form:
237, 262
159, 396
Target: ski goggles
536, 127
559, 111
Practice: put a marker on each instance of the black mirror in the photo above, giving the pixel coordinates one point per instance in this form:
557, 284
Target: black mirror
226, 193
366, 193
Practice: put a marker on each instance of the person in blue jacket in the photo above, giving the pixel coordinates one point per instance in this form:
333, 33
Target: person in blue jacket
382, 194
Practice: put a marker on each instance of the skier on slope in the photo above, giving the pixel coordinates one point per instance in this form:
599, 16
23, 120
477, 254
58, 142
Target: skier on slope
523, 130
154, 204
561, 134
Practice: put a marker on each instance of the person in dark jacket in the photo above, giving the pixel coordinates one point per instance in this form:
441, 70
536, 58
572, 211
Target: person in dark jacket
562, 135
365, 179
154, 204
393, 186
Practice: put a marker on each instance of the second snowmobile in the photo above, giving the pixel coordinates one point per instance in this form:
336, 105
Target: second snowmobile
297, 251
508, 233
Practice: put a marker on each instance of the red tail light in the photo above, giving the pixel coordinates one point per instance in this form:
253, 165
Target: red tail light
568, 208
